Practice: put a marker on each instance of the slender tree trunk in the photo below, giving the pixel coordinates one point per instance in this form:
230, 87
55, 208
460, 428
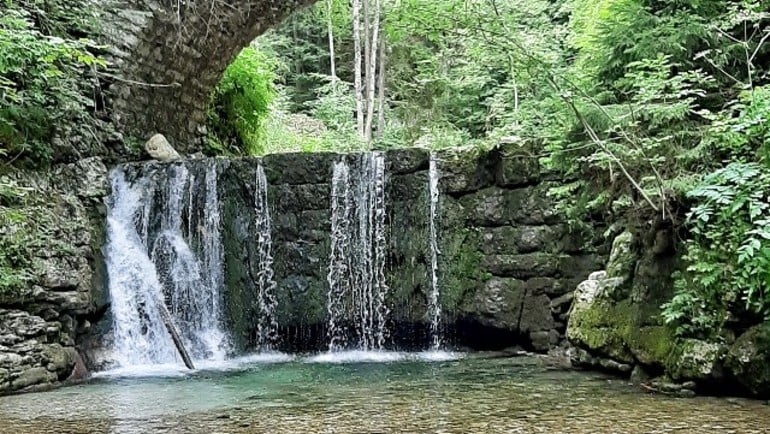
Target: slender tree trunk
371, 73
332, 61
357, 67
381, 90
367, 52
172, 330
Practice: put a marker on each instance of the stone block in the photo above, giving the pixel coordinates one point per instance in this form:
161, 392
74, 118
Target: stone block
517, 239
522, 266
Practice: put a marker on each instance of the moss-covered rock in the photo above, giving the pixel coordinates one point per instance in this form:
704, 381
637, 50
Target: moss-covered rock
693, 359
622, 257
606, 322
748, 359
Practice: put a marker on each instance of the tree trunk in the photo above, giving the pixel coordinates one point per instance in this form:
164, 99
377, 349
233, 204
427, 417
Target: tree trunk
371, 71
381, 90
357, 67
367, 53
332, 61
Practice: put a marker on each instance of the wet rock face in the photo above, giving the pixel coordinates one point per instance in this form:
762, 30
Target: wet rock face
615, 319
507, 265
506, 273
748, 360
615, 324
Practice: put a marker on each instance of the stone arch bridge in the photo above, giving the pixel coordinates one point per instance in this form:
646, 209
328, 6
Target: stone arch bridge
168, 55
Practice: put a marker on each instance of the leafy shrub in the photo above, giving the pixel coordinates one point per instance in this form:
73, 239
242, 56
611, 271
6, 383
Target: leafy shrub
42, 70
728, 256
241, 103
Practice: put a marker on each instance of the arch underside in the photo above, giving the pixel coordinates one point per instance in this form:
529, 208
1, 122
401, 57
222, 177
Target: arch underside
169, 55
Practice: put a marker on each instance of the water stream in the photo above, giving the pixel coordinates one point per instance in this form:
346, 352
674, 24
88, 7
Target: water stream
434, 307
356, 277
267, 325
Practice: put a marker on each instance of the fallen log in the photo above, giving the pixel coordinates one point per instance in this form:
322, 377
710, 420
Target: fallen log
165, 315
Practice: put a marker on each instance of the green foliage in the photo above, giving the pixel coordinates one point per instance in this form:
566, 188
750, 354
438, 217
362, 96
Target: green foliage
728, 256
241, 103
16, 266
44, 75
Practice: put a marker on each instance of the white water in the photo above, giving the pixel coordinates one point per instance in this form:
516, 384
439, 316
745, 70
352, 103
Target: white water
133, 282
267, 325
339, 266
146, 269
357, 287
434, 307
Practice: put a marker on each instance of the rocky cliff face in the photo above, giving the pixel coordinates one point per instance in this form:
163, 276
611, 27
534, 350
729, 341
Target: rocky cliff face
56, 223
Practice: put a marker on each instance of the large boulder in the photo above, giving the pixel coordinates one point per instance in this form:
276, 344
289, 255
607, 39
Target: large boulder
748, 360
608, 324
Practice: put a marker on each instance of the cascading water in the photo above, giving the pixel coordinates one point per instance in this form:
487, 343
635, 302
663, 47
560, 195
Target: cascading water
139, 337
148, 265
434, 307
357, 287
267, 326
339, 267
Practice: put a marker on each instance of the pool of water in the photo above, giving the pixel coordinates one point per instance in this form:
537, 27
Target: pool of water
365, 393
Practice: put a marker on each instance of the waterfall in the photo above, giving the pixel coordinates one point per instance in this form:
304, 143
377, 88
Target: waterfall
357, 287
139, 337
339, 267
267, 326
434, 307
150, 260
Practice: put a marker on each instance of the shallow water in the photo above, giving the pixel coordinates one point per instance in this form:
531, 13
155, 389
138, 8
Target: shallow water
366, 394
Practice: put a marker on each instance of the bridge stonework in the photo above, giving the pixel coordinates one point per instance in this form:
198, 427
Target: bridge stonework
168, 55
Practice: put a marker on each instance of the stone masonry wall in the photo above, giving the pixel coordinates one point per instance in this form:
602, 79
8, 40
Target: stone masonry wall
508, 264
509, 261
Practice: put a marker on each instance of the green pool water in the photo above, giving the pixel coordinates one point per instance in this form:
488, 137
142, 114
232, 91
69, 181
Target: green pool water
398, 395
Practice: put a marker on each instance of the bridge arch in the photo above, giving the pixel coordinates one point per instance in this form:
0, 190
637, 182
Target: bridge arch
168, 55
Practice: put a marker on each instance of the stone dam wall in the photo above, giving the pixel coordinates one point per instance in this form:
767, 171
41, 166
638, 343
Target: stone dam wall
508, 263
